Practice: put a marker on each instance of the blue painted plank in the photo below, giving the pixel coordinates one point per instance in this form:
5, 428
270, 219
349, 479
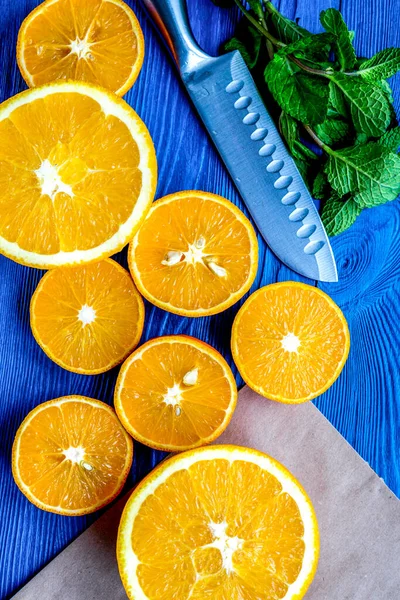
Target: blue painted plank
364, 404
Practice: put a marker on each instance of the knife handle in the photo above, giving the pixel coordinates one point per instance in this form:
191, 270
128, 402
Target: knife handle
171, 18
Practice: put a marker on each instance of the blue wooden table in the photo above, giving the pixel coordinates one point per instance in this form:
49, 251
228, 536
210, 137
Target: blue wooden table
364, 404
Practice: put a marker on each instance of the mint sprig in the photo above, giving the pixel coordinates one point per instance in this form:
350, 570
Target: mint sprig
341, 102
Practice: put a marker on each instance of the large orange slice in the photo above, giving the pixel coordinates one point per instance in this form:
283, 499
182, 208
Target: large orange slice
88, 318
77, 174
98, 41
195, 255
218, 523
175, 393
290, 342
71, 455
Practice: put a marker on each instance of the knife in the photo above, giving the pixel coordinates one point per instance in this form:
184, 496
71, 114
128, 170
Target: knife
226, 97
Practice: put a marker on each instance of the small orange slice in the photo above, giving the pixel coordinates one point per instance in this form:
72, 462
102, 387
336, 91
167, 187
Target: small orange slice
77, 174
87, 319
290, 342
218, 523
71, 455
195, 255
98, 41
175, 393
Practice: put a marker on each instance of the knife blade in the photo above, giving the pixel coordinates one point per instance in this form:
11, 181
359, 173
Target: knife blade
227, 100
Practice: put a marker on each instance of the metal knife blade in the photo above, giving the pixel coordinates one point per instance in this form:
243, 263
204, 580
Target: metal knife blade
245, 135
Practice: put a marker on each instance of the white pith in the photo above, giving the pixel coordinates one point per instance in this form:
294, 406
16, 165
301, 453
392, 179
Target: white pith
50, 181
128, 561
173, 396
290, 342
75, 455
194, 255
86, 315
226, 544
81, 48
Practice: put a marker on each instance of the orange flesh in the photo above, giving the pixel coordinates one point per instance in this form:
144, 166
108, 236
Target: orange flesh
175, 526
97, 41
52, 480
94, 155
259, 332
118, 314
178, 226
154, 415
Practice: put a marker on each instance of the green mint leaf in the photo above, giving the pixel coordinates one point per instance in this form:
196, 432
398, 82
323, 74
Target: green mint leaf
361, 139
391, 139
290, 130
370, 172
333, 23
313, 47
303, 96
287, 31
256, 7
248, 41
383, 65
369, 106
339, 215
332, 131
321, 187
337, 106
385, 87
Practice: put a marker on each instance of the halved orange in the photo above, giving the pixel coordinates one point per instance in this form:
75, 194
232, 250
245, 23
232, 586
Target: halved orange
98, 41
87, 319
218, 523
290, 342
175, 393
77, 174
71, 455
195, 255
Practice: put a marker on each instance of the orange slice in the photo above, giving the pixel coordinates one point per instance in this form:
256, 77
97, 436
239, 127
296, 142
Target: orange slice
77, 175
71, 455
87, 319
290, 342
195, 255
218, 523
98, 41
175, 393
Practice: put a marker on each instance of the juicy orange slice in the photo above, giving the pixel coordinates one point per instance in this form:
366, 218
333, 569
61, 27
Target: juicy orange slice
175, 393
222, 523
77, 174
98, 41
87, 319
71, 455
290, 342
196, 254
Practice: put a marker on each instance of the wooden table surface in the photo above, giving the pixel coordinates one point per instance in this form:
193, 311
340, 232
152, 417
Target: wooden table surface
364, 404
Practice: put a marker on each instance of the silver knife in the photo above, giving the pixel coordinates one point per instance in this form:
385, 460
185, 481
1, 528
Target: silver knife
225, 95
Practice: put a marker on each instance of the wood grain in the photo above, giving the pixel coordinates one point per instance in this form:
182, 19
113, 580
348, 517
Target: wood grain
364, 404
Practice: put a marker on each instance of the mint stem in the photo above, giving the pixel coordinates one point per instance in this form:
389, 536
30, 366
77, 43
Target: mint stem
316, 139
258, 26
308, 69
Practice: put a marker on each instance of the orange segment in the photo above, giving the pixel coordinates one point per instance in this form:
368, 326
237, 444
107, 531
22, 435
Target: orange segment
196, 254
87, 319
175, 393
77, 175
71, 455
97, 41
224, 523
290, 342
